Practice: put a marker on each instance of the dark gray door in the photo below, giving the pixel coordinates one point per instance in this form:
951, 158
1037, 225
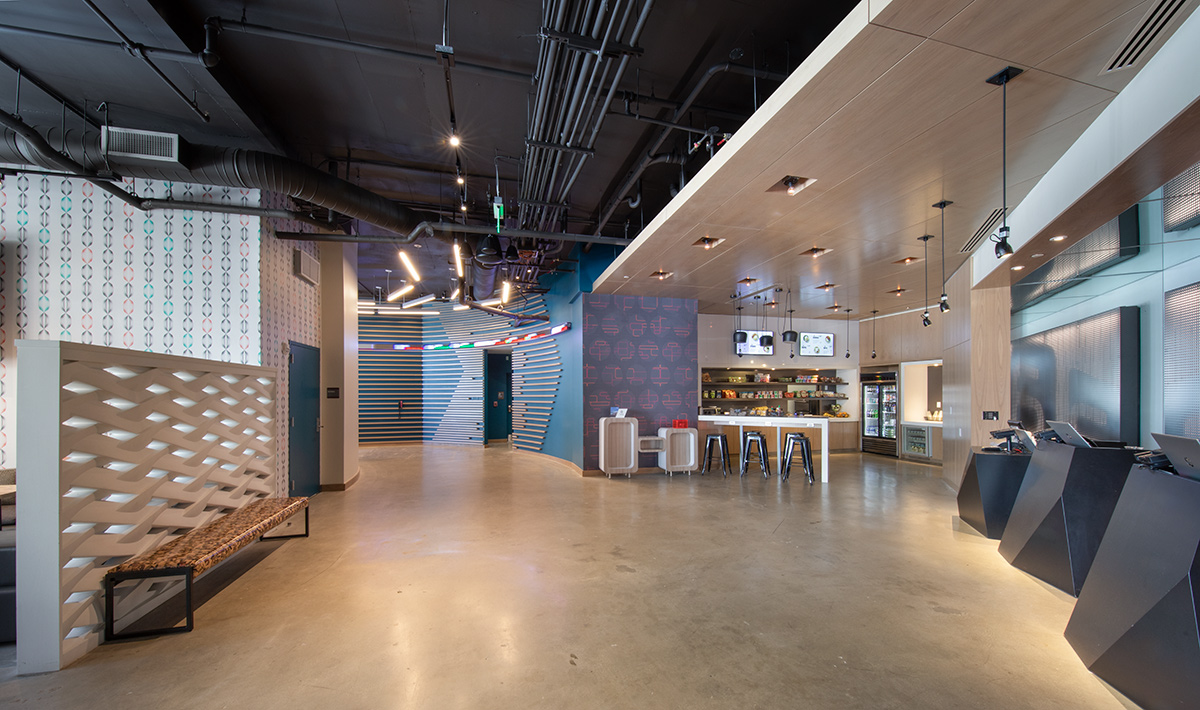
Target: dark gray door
304, 420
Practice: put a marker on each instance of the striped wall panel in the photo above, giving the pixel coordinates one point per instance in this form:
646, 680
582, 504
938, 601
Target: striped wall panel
446, 387
386, 378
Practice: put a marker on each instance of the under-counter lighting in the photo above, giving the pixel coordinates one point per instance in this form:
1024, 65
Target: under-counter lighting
399, 292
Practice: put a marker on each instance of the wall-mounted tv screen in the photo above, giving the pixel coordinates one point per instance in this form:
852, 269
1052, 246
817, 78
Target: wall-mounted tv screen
816, 344
754, 343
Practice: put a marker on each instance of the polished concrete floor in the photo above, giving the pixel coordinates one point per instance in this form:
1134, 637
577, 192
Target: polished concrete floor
471, 578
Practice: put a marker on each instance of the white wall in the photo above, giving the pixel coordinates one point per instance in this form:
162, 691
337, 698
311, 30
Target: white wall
715, 346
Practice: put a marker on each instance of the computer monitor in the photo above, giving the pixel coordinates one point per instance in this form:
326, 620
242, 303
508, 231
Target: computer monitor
1184, 453
1069, 434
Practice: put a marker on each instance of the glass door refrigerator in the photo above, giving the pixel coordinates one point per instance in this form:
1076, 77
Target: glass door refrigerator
880, 398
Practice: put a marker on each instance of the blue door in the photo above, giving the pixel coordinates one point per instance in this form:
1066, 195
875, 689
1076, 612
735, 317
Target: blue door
304, 420
498, 396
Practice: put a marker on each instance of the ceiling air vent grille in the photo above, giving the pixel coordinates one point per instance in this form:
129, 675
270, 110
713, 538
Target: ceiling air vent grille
142, 145
1156, 20
988, 226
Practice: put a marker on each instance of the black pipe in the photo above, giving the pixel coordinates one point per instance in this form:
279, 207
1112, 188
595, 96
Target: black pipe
364, 48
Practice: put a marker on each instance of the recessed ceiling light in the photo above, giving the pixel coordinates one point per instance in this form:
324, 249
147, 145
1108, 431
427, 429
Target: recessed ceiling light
816, 251
1036, 256
834, 307
747, 281
662, 275
826, 286
793, 184
1018, 267
1059, 238
707, 242
898, 290
907, 260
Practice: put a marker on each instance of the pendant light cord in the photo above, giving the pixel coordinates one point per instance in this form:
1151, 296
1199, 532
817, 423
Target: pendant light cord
943, 249
1003, 151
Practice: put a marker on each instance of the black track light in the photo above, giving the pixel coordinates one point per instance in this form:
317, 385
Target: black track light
925, 319
944, 303
1003, 248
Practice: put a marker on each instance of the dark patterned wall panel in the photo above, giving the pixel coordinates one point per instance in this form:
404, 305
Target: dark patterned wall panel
387, 378
1086, 373
1181, 361
640, 354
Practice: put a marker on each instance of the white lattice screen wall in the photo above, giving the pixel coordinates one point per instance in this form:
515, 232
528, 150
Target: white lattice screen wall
120, 452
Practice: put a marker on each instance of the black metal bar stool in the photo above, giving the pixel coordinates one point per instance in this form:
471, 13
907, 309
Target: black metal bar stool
763, 458
712, 442
794, 439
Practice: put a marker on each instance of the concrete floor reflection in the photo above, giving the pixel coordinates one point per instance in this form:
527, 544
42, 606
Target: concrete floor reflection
483, 578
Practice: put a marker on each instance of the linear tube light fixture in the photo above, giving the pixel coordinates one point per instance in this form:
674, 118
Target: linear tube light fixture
412, 270
458, 266
505, 292
400, 292
418, 301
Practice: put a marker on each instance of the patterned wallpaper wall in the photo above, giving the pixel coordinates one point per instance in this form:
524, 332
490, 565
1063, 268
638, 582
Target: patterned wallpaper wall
79, 265
640, 354
291, 311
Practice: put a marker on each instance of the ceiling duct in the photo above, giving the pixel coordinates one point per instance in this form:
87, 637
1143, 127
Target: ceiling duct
1147, 33
139, 145
988, 226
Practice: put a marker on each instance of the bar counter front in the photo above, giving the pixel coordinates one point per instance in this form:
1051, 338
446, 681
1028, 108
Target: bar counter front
779, 424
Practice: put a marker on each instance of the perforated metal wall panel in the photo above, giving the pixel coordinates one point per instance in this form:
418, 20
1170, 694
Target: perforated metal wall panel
1111, 244
1181, 201
1181, 361
1086, 373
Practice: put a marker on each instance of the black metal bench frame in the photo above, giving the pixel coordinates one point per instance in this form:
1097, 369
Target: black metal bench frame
112, 579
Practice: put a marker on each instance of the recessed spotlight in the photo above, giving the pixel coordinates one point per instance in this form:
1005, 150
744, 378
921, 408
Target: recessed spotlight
834, 307
898, 290
662, 275
1036, 256
907, 260
1018, 267
792, 184
1059, 238
747, 281
816, 251
826, 286
707, 242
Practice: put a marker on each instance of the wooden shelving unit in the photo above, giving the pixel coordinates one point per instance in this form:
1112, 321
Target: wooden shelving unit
790, 391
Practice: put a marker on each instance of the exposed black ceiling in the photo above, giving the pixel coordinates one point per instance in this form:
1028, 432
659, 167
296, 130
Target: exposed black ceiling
381, 120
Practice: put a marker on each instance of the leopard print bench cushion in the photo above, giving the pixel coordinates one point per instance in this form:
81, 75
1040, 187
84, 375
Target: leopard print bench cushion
209, 544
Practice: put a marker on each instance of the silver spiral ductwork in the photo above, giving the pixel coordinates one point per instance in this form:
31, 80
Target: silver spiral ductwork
208, 165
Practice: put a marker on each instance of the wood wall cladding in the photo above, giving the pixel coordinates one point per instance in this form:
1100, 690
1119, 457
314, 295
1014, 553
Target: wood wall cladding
975, 369
902, 338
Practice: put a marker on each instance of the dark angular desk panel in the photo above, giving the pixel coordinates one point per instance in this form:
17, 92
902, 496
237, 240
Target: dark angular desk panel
1135, 623
989, 489
1062, 511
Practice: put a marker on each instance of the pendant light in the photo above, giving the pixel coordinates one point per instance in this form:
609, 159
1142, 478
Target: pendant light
739, 335
944, 301
767, 340
873, 316
790, 336
925, 316
1001, 79
847, 333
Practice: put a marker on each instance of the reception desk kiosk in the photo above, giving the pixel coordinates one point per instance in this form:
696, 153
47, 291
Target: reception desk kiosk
1135, 622
1062, 511
989, 489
